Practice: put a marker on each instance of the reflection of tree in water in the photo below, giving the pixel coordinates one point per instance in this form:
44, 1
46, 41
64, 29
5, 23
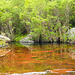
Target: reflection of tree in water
36, 57
72, 54
61, 49
12, 60
3, 52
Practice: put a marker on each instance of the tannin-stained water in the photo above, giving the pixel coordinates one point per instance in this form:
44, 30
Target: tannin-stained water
21, 60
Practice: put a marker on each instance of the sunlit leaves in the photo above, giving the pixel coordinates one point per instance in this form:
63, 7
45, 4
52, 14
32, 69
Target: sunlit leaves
37, 16
6, 16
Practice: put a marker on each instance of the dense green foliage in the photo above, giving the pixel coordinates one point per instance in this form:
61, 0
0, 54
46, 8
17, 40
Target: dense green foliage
48, 19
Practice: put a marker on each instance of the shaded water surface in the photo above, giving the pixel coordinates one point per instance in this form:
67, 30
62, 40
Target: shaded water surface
25, 60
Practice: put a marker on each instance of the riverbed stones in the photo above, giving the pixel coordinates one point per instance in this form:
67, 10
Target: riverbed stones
70, 35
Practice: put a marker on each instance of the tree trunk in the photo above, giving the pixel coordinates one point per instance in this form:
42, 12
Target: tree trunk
67, 16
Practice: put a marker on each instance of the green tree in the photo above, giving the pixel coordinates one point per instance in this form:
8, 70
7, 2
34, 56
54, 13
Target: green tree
45, 20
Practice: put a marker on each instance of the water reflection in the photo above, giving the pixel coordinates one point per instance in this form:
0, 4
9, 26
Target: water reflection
37, 58
72, 54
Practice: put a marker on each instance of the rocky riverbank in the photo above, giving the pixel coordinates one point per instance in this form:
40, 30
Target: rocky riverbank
70, 35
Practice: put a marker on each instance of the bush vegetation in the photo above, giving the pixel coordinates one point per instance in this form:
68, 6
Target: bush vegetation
44, 19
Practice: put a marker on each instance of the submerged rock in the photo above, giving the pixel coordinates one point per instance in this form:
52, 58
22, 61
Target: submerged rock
56, 71
31, 73
3, 52
72, 54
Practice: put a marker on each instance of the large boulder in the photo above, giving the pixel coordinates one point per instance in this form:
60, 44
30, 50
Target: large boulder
71, 35
27, 40
3, 41
6, 39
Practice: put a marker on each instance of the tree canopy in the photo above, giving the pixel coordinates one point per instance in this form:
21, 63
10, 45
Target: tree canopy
48, 19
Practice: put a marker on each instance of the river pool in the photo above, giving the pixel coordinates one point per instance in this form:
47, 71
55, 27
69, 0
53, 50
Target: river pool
48, 59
